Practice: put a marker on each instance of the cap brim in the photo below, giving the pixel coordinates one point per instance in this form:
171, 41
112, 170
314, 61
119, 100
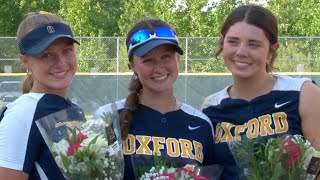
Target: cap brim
143, 49
42, 45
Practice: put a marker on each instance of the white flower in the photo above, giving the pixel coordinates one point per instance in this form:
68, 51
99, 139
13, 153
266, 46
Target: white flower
94, 126
171, 170
106, 162
93, 156
60, 147
60, 163
81, 167
101, 142
99, 147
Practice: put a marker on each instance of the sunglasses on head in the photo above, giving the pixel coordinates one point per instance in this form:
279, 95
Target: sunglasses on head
144, 35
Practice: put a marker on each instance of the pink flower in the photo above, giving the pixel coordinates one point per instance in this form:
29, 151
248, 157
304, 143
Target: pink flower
73, 148
185, 170
81, 137
191, 173
200, 178
293, 157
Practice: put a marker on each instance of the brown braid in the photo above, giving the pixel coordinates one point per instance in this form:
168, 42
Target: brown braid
132, 103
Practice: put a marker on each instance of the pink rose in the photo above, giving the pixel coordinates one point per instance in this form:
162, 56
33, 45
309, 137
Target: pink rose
294, 149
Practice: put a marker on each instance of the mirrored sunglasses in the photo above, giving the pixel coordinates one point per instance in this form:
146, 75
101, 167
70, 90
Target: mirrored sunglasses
144, 35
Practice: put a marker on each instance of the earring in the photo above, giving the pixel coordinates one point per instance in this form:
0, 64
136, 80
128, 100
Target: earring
29, 72
135, 77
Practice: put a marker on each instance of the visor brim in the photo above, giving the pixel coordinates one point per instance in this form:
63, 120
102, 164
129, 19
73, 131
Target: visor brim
145, 48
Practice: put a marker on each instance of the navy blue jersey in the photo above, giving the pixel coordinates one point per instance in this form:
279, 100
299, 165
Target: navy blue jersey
184, 136
266, 116
22, 147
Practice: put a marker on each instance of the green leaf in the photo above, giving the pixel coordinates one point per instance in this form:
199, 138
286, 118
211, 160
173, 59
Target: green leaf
65, 160
108, 117
93, 141
74, 136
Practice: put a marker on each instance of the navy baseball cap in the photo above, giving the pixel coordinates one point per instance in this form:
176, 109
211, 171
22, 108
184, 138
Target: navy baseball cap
38, 40
143, 49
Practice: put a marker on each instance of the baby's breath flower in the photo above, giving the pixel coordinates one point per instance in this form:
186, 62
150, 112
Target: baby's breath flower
60, 147
92, 156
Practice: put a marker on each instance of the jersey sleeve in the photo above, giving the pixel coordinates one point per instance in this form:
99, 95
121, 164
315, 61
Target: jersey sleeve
109, 108
101, 110
16, 137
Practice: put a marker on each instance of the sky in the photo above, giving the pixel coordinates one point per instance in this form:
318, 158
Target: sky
182, 4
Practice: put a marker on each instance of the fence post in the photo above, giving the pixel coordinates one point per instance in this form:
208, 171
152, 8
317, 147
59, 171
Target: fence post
186, 71
118, 58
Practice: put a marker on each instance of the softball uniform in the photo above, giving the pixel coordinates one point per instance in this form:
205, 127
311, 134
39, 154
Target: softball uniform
265, 116
184, 136
22, 147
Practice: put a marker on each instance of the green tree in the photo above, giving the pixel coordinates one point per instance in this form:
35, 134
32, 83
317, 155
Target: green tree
12, 13
205, 21
92, 17
136, 10
9, 18
297, 17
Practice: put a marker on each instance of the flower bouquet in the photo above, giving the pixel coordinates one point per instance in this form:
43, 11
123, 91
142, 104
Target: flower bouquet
84, 149
163, 167
286, 157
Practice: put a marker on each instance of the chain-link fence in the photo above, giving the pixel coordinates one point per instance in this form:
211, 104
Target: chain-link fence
103, 61
108, 54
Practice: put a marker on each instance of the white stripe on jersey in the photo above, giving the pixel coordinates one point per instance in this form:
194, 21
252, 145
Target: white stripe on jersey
19, 112
283, 82
194, 112
42, 175
108, 108
288, 83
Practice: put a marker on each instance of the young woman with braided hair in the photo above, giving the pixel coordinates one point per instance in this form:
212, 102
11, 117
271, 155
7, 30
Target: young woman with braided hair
153, 121
132, 103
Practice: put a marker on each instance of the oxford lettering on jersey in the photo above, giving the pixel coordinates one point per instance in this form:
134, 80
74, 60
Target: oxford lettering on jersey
262, 126
174, 147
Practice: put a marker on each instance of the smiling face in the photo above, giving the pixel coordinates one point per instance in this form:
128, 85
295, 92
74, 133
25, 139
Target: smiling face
246, 50
157, 70
54, 69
